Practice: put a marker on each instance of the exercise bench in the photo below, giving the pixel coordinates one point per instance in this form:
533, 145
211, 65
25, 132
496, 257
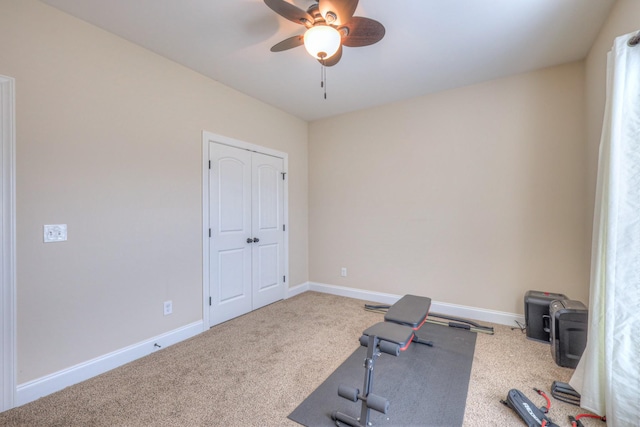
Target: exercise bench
392, 336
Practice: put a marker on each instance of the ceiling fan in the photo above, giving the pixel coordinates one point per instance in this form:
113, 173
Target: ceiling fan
330, 25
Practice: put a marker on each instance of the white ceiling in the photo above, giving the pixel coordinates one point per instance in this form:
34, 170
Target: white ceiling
429, 46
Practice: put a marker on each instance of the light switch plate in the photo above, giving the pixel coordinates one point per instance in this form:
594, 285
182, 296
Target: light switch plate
55, 233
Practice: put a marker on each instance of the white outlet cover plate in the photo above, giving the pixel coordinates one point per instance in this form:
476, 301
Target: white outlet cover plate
55, 233
168, 307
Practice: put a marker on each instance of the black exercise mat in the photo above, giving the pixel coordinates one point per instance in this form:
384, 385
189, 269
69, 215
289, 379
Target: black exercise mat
427, 386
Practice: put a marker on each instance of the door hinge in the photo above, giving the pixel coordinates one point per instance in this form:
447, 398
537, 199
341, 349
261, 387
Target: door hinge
209, 164
284, 278
283, 175
283, 228
209, 232
209, 300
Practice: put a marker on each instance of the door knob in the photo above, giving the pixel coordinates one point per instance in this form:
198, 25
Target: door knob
256, 240
249, 240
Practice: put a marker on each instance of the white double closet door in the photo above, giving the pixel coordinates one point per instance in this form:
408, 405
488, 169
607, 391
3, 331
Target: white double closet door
247, 231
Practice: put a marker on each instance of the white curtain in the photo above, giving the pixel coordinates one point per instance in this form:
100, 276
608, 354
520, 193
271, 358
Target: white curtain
608, 375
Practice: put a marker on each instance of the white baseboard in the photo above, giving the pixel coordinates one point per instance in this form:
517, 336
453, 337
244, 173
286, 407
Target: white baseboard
33, 390
362, 294
297, 290
454, 310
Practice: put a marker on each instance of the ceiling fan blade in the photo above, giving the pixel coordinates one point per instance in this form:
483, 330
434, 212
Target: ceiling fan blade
289, 43
362, 32
333, 60
343, 10
289, 11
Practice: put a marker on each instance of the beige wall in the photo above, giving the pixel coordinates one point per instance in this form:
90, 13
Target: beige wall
623, 19
471, 196
109, 141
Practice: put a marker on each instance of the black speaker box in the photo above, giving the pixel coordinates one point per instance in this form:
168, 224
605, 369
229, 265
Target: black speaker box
568, 331
536, 314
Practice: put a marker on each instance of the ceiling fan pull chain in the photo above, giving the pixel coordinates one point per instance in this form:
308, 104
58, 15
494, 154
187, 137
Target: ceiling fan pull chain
324, 79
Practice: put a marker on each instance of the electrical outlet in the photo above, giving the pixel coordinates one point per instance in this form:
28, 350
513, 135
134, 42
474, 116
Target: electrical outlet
343, 272
168, 307
55, 233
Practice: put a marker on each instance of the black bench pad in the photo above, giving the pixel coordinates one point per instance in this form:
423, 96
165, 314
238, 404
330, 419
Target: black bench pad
392, 332
410, 310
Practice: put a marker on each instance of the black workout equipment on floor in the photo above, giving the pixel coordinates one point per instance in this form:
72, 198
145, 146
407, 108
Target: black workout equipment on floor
565, 393
426, 386
527, 410
536, 314
575, 421
534, 416
440, 319
392, 336
556, 320
568, 331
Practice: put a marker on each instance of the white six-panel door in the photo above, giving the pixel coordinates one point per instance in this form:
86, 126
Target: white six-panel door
246, 220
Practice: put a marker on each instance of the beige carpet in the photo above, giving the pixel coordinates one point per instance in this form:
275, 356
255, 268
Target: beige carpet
255, 370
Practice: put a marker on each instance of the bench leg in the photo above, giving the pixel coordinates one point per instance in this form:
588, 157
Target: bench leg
369, 364
369, 400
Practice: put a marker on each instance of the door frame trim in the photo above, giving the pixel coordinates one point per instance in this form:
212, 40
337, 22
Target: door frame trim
208, 137
8, 249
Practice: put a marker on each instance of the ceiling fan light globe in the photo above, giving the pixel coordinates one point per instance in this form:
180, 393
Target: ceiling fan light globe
322, 41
